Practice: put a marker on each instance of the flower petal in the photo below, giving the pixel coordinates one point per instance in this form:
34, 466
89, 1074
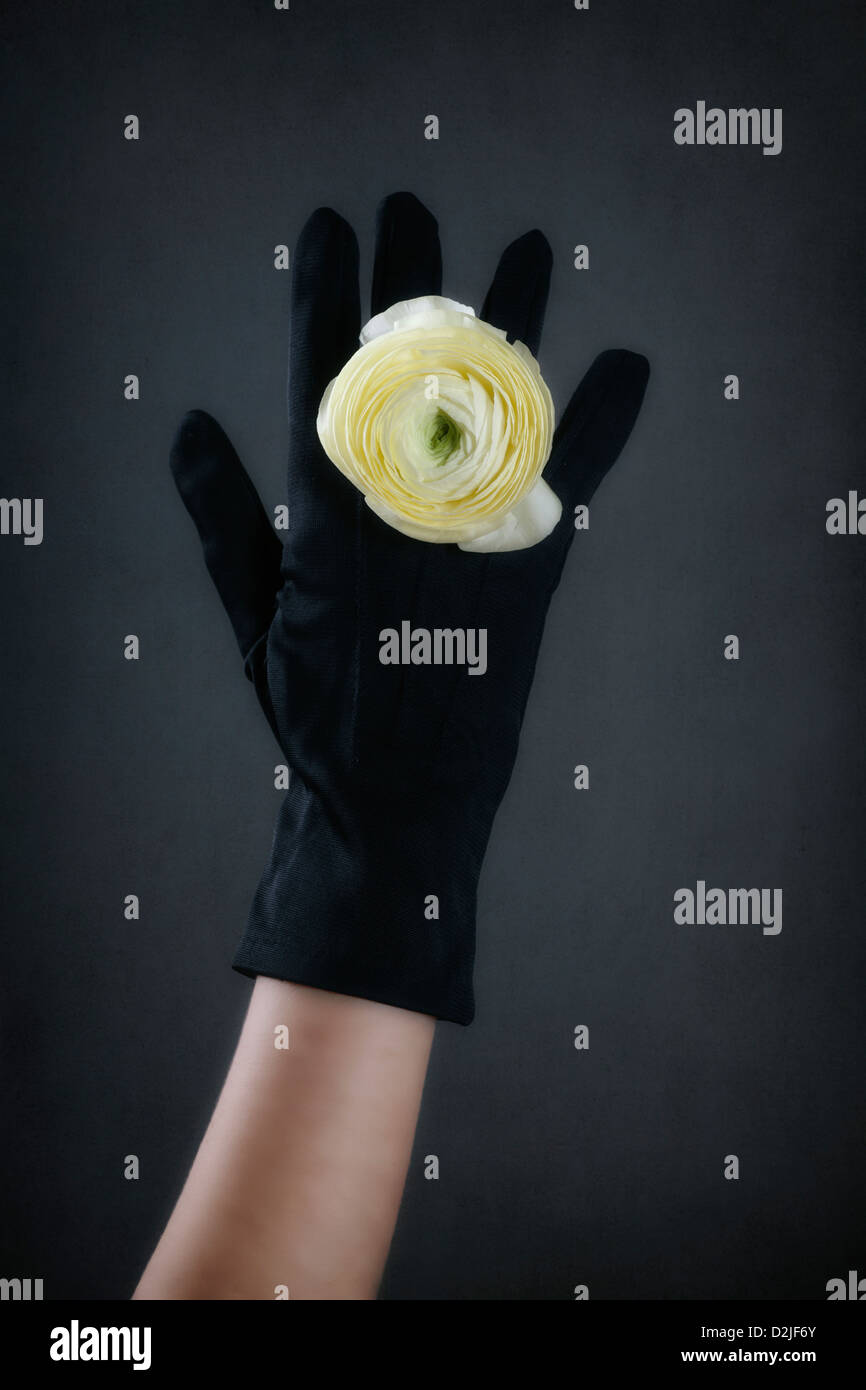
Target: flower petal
405, 311
530, 521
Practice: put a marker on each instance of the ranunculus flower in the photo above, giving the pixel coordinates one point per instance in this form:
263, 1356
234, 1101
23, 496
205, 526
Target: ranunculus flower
445, 427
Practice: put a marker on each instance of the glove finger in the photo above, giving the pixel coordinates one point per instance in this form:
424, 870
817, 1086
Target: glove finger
408, 260
241, 549
596, 424
325, 324
517, 298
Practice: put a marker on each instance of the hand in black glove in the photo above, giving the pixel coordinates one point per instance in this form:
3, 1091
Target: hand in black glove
397, 771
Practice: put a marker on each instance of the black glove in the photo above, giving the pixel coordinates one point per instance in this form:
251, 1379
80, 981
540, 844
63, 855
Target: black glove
397, 770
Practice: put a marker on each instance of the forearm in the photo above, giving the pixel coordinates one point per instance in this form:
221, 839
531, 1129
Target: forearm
298, 1180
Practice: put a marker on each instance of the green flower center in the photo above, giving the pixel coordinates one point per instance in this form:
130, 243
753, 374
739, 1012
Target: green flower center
441, 437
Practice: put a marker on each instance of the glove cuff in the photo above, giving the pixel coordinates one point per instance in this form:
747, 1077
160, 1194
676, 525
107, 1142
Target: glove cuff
369, 901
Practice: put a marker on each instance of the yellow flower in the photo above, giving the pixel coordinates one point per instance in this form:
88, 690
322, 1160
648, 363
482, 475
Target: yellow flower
444, 426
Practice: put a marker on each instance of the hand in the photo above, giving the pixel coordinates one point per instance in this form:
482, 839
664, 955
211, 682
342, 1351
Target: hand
397, 771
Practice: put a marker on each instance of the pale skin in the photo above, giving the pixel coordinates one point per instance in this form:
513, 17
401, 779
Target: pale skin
298, 1179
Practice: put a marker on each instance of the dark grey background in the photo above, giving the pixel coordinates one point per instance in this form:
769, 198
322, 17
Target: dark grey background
557, 1167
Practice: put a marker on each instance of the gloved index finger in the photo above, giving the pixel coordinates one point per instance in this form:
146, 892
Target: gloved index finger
326, 317
325, 324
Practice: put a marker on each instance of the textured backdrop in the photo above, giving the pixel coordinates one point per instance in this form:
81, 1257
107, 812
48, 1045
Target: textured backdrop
156, 257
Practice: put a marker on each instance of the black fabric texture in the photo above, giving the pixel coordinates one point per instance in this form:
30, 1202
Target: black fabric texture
396, 771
